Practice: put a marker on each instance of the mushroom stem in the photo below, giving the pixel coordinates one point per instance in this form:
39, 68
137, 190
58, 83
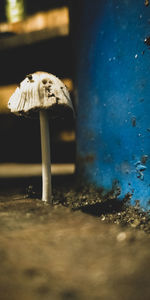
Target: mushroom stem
46, 161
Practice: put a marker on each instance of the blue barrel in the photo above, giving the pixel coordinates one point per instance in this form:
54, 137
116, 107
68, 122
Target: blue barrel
113, 96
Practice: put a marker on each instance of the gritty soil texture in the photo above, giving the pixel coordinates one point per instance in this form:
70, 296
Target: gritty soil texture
81, 248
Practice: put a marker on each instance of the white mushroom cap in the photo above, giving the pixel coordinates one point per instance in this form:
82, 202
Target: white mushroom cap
39, 91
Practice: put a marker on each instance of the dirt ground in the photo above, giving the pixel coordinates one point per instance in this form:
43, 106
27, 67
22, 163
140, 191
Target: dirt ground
81, 248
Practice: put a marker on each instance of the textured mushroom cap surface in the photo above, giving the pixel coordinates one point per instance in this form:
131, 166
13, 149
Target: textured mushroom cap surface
39, 91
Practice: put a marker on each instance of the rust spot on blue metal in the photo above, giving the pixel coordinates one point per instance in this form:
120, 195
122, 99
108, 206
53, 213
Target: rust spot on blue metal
133, 120
144, 159
147, 41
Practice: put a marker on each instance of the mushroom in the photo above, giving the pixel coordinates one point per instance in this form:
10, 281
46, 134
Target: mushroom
44, 93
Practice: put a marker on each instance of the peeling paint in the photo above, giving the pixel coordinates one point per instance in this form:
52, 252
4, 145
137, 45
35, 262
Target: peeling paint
140, 168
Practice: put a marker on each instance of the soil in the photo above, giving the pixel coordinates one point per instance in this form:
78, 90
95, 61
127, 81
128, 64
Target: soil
83, 247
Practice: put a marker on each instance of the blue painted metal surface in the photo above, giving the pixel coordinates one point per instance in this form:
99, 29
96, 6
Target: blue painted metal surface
113, 94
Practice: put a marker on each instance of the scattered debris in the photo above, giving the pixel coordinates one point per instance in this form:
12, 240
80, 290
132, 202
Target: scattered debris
109, 210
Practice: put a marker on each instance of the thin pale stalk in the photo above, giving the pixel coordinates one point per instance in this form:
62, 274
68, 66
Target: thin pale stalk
46, 159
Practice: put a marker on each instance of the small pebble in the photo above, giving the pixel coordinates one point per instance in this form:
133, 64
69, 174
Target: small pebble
121, 236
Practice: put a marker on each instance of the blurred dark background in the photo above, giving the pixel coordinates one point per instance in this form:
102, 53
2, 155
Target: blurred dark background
39, 40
